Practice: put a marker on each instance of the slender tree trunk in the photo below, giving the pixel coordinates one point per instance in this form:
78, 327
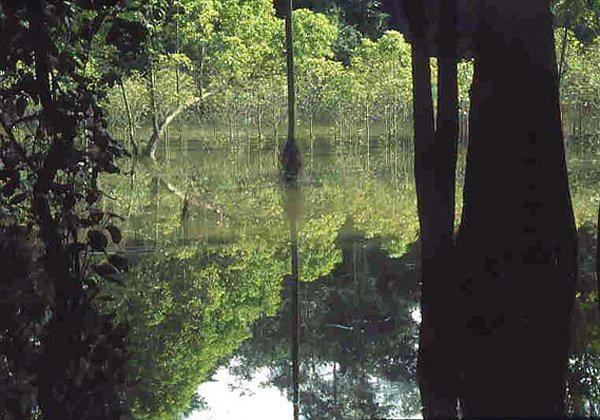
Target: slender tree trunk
236, 133
153, 105
259, 123
389, 112
563, 56
335, 391
517, 242
201, 71
291, 162
312, 138
290, 78
368, 134
274, 120
248, 128
580, 120
130, 127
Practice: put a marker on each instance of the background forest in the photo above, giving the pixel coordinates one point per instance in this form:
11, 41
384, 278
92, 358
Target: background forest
352, 72
151, 130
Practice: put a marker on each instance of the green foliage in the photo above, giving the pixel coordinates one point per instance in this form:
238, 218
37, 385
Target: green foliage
580, 16
216, 218
60, 357
235, 233
580, 84
364, 15
137, 95
188, 308
173, 83
314, 35
235, 52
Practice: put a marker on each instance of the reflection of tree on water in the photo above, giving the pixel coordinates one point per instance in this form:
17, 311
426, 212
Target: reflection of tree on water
583, 379
255, 242
357, 338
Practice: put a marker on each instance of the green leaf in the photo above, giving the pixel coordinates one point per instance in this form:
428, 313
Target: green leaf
115, 234
19, 198
119, 261
97, 240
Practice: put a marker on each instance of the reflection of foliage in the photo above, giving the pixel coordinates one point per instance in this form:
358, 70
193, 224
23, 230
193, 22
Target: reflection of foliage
380, 201
583, 383
584, 177
357, 338
187, 310
255, 222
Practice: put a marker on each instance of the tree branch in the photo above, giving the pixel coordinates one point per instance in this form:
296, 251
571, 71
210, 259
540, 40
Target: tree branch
150, 148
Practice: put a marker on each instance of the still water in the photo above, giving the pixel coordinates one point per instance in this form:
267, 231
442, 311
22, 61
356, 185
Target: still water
209, 301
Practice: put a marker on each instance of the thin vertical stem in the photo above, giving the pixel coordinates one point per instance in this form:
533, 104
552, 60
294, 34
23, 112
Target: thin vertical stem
291, 163
295, 315
290, 75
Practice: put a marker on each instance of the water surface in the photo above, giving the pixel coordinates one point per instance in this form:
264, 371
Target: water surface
209, 299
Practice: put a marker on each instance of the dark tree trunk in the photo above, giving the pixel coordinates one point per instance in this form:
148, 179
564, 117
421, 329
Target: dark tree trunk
435, 167
428, 202
517, 241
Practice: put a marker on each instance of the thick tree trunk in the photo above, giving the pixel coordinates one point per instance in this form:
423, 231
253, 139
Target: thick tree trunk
517, 241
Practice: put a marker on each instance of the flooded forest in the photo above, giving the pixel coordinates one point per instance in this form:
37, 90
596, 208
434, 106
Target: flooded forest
346, 209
